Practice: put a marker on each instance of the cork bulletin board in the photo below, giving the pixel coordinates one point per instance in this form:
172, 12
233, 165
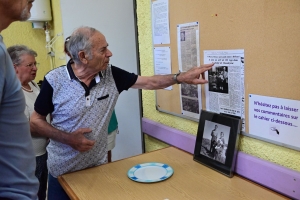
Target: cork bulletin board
267, 30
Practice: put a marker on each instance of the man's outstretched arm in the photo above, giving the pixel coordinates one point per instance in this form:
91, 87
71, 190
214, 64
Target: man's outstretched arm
193, 76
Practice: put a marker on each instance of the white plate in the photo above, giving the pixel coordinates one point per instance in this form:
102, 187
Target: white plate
150, 172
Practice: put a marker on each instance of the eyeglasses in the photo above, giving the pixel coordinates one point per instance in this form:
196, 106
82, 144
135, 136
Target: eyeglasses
30, 65
33, 64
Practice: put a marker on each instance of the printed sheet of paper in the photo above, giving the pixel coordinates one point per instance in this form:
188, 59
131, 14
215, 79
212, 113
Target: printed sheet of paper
162, 61
188, 57
188, 45
160, 22
275, 119
225, 90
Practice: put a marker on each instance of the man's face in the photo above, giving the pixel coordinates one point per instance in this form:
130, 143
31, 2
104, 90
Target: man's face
17, 10
100, 52
26, 11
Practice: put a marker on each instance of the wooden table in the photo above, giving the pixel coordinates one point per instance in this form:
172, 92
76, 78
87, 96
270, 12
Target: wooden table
191, 180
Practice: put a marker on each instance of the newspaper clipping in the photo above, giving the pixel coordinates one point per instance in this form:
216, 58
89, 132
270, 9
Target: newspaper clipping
160, 22
162, 62
188, 57
225, 91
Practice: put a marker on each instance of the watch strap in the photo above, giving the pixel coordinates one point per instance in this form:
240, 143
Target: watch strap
175, 77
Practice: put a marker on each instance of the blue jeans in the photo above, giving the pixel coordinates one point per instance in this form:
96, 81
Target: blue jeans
55, 190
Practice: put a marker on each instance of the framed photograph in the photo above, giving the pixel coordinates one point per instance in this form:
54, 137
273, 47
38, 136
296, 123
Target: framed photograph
217, 141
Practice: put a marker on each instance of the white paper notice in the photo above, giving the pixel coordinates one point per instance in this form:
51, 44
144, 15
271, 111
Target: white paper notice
160, 22
188, 45
225, 91
275, 119
188, 57
162, 61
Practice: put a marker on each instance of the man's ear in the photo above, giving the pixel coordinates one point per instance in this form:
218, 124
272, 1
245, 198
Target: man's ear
82, 57
16, 68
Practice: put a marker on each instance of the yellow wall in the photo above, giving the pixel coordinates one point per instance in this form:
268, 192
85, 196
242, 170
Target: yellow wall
22, 33
60, 57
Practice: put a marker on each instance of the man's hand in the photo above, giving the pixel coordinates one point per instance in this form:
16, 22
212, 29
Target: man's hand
40, 127
195, 75
79, 142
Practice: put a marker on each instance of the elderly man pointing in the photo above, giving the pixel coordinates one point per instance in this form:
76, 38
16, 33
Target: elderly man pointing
81, 97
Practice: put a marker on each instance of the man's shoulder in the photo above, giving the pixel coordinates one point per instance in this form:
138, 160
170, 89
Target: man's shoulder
2, 50
57, 76
3, 54
59, 71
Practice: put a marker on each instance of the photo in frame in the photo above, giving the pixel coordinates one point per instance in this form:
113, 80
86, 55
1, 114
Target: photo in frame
217, 141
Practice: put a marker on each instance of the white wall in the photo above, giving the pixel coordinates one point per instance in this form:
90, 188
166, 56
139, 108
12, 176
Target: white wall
116, 20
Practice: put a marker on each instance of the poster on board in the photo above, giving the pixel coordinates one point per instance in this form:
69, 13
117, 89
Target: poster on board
162, 62
225, 89
275, 119
160, 22
189, 57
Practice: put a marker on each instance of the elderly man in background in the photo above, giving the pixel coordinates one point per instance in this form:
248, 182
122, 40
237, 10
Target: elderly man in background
17, 160
25, 66
81, 97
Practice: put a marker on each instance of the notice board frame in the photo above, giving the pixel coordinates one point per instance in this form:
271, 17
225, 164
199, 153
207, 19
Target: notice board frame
267, 30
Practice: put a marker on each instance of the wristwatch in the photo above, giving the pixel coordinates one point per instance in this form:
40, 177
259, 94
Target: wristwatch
175, 78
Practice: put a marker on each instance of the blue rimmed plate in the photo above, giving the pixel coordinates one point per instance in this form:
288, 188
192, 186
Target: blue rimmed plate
150, 172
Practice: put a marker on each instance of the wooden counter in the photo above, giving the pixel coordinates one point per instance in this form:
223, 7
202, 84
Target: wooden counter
191, 180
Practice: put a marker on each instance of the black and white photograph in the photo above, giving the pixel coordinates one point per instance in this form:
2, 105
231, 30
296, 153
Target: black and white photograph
189, 90
182, 36
191, 105
189, 98
215, 141
218, 79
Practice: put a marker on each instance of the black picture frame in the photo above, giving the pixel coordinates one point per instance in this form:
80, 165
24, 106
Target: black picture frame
217, 153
